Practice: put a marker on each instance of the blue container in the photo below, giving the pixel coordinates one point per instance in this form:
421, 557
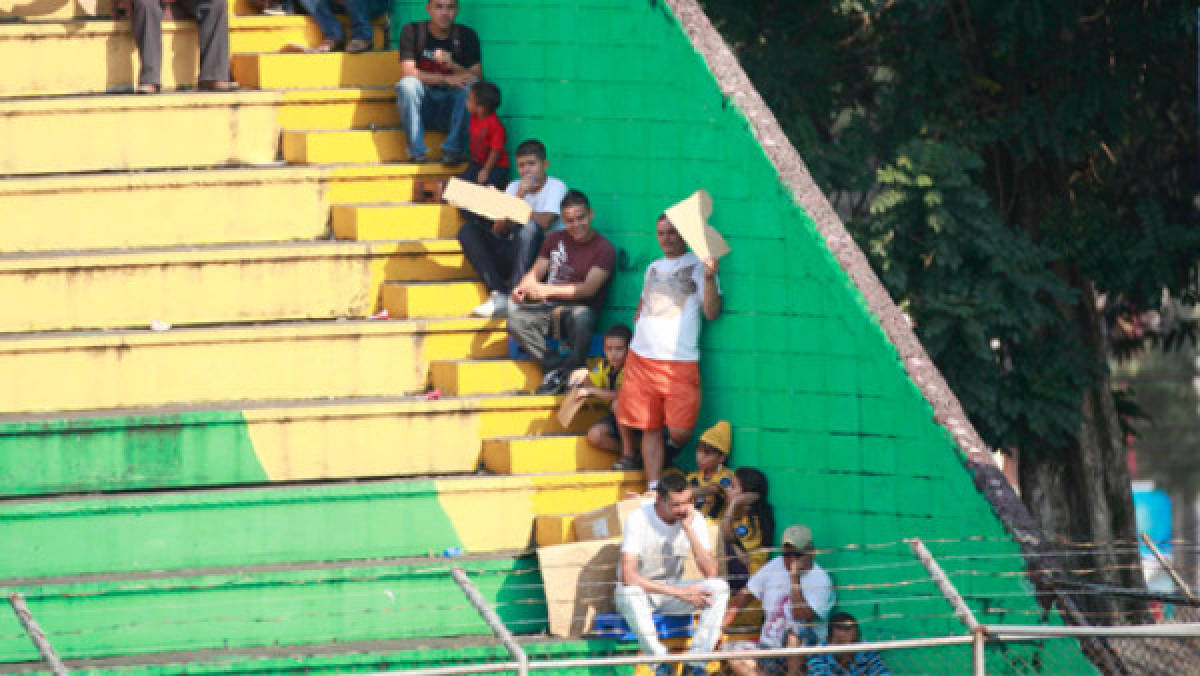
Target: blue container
612, 625
1153, 514
596, 349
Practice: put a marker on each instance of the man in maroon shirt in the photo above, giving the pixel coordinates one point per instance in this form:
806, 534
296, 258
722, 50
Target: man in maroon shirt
562, 293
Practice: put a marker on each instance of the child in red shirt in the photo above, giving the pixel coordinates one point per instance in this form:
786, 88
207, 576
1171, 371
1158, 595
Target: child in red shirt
489, 162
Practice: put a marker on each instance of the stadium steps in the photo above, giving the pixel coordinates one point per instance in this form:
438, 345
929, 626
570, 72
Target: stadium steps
395, 220
432, 299
273, 70
462, 377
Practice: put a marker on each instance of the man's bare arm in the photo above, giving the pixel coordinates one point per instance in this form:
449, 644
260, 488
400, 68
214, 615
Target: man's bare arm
713, 303
706, 562
739, 601
531, 281
590, 286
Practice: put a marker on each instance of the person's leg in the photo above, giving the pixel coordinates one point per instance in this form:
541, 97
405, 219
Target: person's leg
603, 435
145, 22
796, 664
708, 627
683, 397
410, 99
529, 238
652, 454
321, 12
579, 322
743, 667
458, 124
361, 12
529, 325
639, 407
212, 35
635, 606
497, 178
480, 246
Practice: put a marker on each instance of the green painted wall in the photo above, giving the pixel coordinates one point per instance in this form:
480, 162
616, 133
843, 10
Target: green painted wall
236, 527
126, 452
238, 608
816, 393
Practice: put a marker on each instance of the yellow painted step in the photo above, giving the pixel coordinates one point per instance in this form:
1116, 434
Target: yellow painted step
432, 299
553, 529
350, 108
356, 146
138, 132
96, 56
463, 377
268, 70
542, 454
405, 220
175, 208
127, 369
295, 280
55, 10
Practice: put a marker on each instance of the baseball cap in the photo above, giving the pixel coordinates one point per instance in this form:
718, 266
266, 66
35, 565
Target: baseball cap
799, 537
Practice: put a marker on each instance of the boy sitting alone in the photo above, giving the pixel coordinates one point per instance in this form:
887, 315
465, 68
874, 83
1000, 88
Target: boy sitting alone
603, 380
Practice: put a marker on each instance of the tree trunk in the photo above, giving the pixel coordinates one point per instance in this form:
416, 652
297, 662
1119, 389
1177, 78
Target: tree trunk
1082, 497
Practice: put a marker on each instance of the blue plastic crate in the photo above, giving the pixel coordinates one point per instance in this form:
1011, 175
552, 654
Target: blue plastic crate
596, 349
612, 625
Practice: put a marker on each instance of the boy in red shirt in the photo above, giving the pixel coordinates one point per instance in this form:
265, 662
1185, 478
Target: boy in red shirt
489, 162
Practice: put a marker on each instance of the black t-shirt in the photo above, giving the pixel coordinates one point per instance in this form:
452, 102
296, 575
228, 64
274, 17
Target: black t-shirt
463, 45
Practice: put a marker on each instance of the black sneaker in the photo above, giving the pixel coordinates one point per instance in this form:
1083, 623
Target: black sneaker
627, 464
552, 383
450, 157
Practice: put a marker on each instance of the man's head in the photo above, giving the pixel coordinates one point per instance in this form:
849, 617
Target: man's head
616, 344
797, 546
577, 214
669, 238
843, 628
714, 445
674, 501
442, 14
484, 99
531, 160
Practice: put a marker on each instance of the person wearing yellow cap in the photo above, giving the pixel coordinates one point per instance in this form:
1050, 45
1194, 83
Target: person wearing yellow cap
712, 478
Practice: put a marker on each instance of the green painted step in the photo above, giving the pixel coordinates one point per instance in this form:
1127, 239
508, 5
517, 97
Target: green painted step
245, 608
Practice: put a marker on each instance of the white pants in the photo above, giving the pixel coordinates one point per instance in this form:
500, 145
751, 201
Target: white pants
638, 608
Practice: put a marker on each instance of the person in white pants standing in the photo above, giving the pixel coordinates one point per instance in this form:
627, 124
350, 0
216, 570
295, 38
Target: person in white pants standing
658, 538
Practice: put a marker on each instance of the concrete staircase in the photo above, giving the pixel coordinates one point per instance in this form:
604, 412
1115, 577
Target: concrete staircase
264, 475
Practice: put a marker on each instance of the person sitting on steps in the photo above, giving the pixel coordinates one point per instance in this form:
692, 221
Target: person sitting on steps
360, 12
440, 60
562, 294
212, 34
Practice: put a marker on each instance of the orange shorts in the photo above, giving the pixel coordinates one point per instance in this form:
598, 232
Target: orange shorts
655, 393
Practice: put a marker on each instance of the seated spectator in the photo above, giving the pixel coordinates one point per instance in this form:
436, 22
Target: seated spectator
562, 294
712, 478
488, 163
361, 14
748, 526
662, 378
602, 380
657, 538
503, 253
796, 594
212, 33
440, 59
843, 629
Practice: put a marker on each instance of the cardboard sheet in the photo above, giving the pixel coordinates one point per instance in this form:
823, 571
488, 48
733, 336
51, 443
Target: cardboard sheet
690, 218
487, 202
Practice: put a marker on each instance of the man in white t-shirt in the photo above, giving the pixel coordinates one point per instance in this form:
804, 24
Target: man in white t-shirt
662, 371
796, 594
504, 251
658, 537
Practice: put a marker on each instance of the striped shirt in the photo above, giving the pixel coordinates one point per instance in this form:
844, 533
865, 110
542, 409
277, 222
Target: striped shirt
866, 663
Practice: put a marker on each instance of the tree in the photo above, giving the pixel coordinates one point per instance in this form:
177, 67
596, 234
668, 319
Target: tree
1003, 165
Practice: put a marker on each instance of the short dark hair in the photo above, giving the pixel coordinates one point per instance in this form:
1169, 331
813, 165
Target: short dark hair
574, 198
842, 618
532, 147
487, 95
619, 331
670, 483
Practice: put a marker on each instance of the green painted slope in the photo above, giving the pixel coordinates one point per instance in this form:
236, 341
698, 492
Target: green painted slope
816, 392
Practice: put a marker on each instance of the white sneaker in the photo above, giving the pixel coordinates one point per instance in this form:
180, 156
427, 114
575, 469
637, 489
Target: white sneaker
491, 307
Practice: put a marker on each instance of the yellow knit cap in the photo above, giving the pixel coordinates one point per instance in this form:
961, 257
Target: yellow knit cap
719, 436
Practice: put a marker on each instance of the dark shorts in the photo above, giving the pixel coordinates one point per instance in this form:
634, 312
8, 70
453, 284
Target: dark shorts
610, 422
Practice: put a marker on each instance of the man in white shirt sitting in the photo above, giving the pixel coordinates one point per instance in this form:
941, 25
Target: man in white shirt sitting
658, 537
797, 595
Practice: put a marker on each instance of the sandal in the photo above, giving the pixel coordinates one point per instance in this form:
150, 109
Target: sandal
627, 464
327, 46
147, 89
217, 86
358, 46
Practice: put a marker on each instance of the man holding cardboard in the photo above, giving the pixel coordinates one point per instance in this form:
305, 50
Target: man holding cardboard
662, 371
657, 539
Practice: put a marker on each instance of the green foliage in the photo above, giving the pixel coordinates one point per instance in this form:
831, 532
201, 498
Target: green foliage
996, 161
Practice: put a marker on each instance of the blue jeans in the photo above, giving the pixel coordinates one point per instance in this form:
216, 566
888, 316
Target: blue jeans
441, 108
361, 13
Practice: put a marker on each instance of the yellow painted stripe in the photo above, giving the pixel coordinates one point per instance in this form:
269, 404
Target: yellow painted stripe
308, 71
492, 376
432, 299
353, 146
574, 493
395, 221
541, 454
351, 108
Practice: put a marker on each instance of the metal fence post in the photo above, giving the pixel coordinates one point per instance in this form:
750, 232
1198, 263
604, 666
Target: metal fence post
961, 610
36, 635
492, 620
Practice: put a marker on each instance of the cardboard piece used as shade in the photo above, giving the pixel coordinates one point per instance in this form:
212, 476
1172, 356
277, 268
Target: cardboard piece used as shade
571, 405
690, 218
487, 202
